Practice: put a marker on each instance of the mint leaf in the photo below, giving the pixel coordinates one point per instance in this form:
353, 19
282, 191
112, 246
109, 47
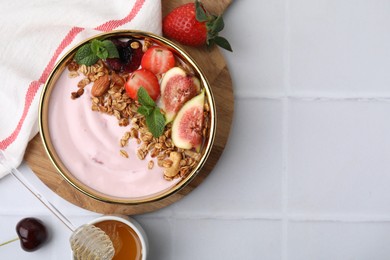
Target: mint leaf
111, 48
104, 49
91, 52
99, 49
144, 98
145, 110
156, 122
85, 55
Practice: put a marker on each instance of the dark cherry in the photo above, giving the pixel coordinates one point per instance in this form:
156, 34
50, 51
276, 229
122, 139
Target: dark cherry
32, 233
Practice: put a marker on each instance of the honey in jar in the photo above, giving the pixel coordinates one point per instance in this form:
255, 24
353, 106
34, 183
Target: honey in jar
126, 241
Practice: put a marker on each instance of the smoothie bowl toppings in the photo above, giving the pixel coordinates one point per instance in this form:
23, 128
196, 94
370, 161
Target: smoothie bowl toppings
129, 116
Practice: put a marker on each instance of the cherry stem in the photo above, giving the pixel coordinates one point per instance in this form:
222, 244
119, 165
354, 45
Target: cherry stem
9, 241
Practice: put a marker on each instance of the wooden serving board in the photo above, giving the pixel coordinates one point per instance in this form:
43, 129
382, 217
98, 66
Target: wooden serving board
214, 66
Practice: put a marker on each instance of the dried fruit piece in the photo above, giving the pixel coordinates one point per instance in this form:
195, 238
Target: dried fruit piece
188, 124
177, 87
130, 55
100, 86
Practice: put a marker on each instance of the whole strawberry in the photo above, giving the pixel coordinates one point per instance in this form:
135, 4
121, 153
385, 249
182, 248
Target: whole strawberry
192, 25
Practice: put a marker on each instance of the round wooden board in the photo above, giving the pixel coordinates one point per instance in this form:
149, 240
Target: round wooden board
214, 66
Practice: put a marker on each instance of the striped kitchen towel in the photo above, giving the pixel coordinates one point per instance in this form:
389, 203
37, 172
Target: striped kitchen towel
34, 35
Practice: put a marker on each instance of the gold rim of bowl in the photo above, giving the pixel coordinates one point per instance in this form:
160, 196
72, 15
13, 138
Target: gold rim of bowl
61, 168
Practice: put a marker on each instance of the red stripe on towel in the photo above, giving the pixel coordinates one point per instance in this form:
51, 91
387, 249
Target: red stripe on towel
31, 91
65, 42
111, 25
35, 85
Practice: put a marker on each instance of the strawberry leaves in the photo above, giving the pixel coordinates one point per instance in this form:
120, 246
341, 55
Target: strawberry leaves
217, 25
200, 12
214, 25
222, 42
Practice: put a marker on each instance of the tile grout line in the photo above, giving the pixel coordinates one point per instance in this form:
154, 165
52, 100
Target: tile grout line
285, 217
339, 218
323, 98
285, 129
225, 217
291, 217
173, 229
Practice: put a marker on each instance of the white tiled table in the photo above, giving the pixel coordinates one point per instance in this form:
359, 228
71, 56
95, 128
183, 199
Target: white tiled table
306, 172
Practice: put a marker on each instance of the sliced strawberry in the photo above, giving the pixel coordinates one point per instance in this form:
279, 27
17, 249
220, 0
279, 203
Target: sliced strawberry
158, 60
143, 78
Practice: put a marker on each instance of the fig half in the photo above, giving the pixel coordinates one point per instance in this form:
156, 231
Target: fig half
188, 124
177, 87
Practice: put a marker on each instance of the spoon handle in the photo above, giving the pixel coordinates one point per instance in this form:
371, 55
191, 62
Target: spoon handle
19, 176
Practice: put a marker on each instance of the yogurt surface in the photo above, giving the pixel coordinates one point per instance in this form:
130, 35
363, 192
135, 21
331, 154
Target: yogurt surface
87, 143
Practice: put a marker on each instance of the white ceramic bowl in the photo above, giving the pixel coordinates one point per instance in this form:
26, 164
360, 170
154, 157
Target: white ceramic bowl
63, 166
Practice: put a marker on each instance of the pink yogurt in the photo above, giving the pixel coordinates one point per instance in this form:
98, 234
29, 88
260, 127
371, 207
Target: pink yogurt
87, 142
